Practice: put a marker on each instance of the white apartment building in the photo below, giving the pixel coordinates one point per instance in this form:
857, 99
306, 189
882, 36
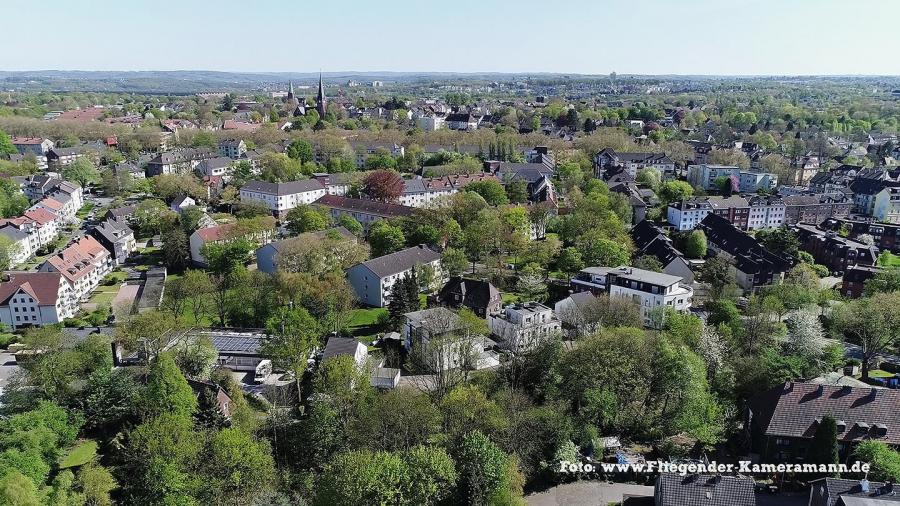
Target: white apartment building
83, 264
35, 298
887, 205
232, 148
373, 280
687, 214
650, 290
430, 122
705, 175
521, 327
282, 197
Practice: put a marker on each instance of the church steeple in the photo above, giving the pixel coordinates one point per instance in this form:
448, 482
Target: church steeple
321, 104
290, 95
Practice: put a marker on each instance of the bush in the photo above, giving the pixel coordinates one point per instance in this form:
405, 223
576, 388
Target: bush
7, 339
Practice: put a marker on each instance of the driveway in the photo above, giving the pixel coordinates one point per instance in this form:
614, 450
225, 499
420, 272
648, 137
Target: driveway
8, 367
587, 493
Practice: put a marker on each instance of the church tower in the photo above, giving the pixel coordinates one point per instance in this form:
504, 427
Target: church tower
321, 104
290, 95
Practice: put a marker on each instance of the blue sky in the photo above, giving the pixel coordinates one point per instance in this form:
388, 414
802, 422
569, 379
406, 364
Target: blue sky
737, 37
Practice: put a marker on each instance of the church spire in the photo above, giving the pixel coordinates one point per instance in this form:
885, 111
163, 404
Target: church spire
320, 99
290, 90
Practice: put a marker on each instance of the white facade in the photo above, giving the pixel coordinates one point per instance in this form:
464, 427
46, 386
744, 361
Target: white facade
521, 327
22, 308
704, 176
282, 197
650, 290
687, 215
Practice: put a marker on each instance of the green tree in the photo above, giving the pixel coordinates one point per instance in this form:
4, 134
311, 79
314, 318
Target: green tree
597, 250
492, 191
350, 223
176, 249
305, 219
886, 281
481, 466
430, 476
717, 272
517, 191
302, 150
96, 483
385, 238
167, 391
237, 468
569, 261
292, 335
674, 191
453, 261
6, 145
873, 323
160, 462
884, 460
81, 171
404, 296
361, 478
781, 241
17, 490
695, 246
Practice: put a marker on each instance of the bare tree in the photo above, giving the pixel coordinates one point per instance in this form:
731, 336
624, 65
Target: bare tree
444, 349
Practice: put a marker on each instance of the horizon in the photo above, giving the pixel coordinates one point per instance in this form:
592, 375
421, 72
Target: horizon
742, 38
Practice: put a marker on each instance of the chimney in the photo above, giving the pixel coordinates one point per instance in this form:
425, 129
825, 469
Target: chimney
864, 485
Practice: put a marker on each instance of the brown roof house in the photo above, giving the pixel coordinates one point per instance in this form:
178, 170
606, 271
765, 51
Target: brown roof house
783, 420
35, 298
82, 264
480, 296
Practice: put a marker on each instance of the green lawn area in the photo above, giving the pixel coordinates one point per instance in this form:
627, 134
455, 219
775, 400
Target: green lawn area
888, 259
363, 323
878, 373
83, 452
105, 294
85, 210
510, 298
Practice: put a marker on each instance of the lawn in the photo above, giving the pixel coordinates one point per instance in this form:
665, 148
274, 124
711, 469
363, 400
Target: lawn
363, 323
83, 452
878, 373
104, 294
888, 259
85, 210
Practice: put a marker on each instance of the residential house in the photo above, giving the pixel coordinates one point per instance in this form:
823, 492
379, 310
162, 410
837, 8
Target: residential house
833, 251
886, 205
753, 264
649, 290
815, 208
430, 122
82, 264
335, 184
346, 346
704, 176
219, 234
855, 277
181, 203
364, 150
116, 237
35, 298
591, 279
267, 255
37, 146
364, 211
521, 327
219, 166
374, 279
57, 158
461, 121
132, 170
237, 351
574, 311
482, 297
182, 161
280, 198
783, 420
232, 148
631, 163
439, 341
537, 176
673, 489
843, 492
886, 236
124, 213
38, 186
22, 244
222, 399
650, 240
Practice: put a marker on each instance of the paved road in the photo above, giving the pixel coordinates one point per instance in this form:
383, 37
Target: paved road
8, 367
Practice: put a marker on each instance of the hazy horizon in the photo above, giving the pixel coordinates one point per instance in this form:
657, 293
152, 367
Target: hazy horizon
741, 38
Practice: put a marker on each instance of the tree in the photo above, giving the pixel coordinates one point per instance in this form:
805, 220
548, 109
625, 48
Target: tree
781, 241
884, 460
734, 157
695, 246
717, 272
648, 263
96, 483
7, 252
305, 219
569, 261
190, 218
82, 171
167, 391
674, 191
350, 223
361, 478
481, 466
302, 150
805, 336
600, 251
885, 281
6, 145
823, 449
384, 185
150, 214
430, 476
453, 261
492, 191
404, 296
160, 462
238, 468
17, 490
292, 334
176, 249
385, 238
873, 323
517, 191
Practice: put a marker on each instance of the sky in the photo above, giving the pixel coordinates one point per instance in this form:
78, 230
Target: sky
712, 37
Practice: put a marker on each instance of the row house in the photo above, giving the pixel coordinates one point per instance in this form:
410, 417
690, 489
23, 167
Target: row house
366, 212
462, 121
57, 158
752, 263
373, 280
35, 298
280, 198
631, 163
82, 264
815, 208
650, 240
886, 236
419, 192
35, 229
853, 283
833, 251
783, 420
834, 180
746, 213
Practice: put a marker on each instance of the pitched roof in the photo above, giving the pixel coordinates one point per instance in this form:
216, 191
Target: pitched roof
749, 254
401, 261
289, 188
78, 258
794, 410
113, 230
850, 491
319, 234
363, 206
338, 346
704, 490
472, 292
43, 286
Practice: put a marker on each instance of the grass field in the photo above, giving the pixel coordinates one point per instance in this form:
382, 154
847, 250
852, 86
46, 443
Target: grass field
878, 373
83, 452
85, 210
363, 323
104, 294
888, 259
